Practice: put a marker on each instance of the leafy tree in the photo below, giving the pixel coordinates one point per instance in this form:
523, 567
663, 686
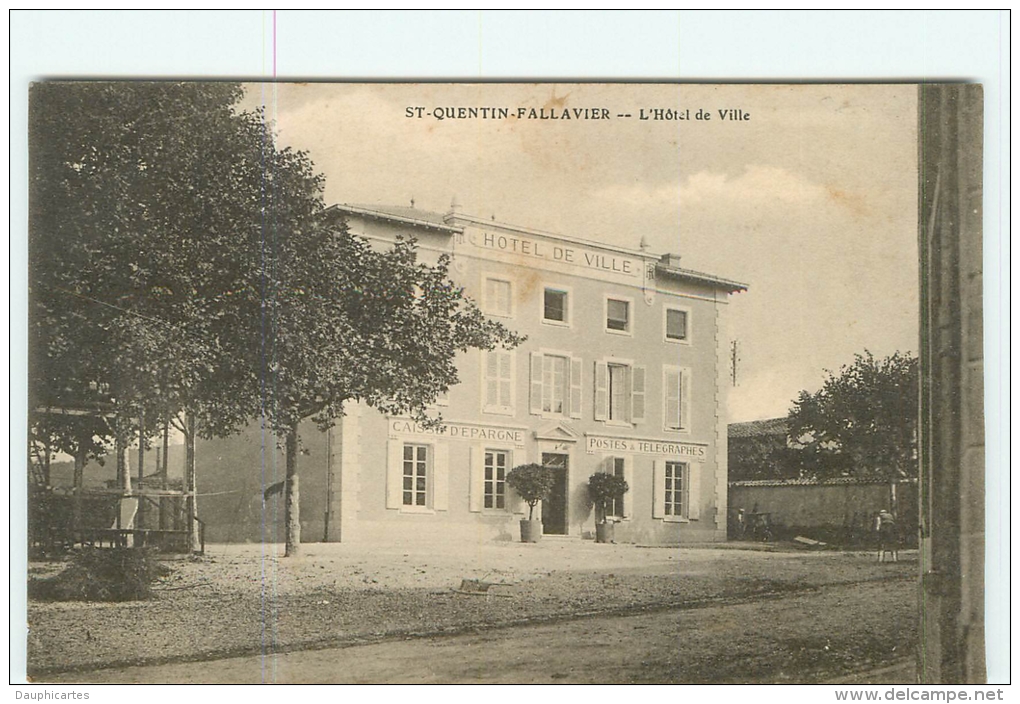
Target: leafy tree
348, 323
147, 216
863, 421
182, 260
532, 482
603, 490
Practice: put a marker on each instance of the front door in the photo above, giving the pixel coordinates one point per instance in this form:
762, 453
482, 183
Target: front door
554, 509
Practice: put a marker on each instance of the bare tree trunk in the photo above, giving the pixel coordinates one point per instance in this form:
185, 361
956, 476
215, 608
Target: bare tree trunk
47, 457
292, 500
79, 473
190, 504
164, 503
140, 518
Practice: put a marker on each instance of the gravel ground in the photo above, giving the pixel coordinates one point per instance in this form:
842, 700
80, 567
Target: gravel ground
247, 600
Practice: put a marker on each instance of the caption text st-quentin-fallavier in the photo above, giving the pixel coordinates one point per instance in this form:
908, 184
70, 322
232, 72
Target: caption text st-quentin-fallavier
461, 112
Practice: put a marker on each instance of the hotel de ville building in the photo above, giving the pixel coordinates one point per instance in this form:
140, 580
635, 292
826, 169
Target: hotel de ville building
624, 370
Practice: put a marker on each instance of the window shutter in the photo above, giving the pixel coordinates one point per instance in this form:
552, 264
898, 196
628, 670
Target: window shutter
575, 387
476, 468
658, 489
505, 379
637, 395
685, 399
491, 375
601, 391
671, 380
394, 473
536, 383
441, 477
693, 492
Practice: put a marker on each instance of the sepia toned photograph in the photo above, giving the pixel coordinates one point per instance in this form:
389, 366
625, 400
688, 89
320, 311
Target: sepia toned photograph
504, 383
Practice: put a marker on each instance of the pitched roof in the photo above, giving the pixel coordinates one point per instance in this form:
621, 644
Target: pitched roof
401, 213
758, 428
662, 269
444, 222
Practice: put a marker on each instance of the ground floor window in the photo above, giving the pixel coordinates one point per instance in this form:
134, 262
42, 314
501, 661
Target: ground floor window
494, 495
677, 489
416, 461
617, 467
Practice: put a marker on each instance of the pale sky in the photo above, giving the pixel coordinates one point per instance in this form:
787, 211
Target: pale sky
811, 201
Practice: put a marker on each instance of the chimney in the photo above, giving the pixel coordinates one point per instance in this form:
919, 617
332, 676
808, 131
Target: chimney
671, 260
453, 211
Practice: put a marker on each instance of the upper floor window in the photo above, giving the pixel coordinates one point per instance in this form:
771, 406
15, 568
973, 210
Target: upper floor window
676, 396
555, 308
619, 392
498, 381
677, 325
618, 315
498, 297
555, 384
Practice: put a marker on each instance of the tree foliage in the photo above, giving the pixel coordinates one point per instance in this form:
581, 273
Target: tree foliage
532, 482
147, 209
604, 489
863, 421
182, 262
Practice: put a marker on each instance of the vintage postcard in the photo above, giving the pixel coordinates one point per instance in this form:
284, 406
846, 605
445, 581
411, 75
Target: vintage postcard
504, 383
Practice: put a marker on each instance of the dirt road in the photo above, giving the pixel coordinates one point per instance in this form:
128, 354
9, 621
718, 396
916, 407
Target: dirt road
808, 636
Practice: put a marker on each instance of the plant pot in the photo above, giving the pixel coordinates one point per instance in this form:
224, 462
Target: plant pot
531, 531
605, 532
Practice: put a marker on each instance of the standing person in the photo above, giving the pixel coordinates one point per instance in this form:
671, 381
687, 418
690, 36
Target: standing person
885, 526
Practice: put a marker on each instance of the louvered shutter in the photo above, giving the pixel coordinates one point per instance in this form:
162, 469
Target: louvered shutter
693, 491
505, 379
575, 387
658, 489
601, 391
476, 479
441, 477
685, 400
491, 378
394, 473
536, 383
671, 381
637, 395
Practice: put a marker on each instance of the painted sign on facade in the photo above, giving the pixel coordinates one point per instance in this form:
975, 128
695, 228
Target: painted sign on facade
459, 431
569, 254
638, 446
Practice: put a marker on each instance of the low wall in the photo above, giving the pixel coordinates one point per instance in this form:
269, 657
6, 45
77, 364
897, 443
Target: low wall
837, 510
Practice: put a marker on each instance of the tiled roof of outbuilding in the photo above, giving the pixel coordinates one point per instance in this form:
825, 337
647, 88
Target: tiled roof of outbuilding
758, 428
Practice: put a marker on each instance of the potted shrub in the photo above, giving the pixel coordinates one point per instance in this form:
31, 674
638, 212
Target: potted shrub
604, 489
532, 482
